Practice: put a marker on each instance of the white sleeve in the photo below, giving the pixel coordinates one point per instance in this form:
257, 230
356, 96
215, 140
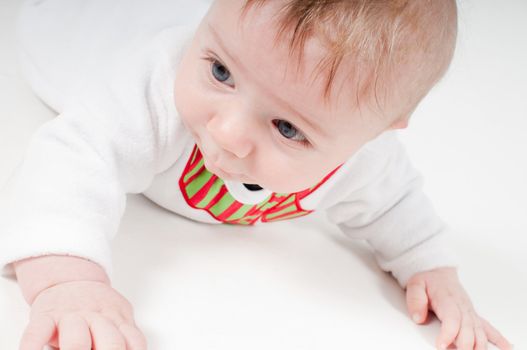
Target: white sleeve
68, 194
392, 214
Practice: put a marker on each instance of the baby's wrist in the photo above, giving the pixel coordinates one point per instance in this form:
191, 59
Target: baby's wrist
37, 274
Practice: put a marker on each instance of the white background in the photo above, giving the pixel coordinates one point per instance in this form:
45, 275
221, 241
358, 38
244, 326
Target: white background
303, 285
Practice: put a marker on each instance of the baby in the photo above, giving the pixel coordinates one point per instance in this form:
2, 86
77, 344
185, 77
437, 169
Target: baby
268, 111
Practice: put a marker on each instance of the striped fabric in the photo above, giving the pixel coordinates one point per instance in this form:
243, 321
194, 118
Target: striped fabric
204, 190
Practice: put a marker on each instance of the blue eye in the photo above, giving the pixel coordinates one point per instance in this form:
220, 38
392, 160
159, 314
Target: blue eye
289, 131
286, 129
220, 72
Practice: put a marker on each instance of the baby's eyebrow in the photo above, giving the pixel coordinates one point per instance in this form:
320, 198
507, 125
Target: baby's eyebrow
217, 36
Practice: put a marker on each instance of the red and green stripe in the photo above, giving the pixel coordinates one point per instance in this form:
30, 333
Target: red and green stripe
204, 190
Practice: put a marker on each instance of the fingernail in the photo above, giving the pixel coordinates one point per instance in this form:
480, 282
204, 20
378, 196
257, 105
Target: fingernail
416, 318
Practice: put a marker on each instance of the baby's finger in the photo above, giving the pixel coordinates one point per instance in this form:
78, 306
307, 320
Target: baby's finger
450, 316
495, 337
74, 333
135, 340
133, 337
105, 335
481, 337
37, 333
465, 338
417, 300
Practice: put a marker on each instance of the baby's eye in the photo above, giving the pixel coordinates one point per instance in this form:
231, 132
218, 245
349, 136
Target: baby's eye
221, 73
289, 131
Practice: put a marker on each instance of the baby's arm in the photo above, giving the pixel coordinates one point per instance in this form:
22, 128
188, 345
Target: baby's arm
68, 195
70, 299
389, 210
36, 274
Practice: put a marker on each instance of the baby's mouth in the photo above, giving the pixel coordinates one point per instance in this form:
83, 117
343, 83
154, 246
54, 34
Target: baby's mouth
253, 187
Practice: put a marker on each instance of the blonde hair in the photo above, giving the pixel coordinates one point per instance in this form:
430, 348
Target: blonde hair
381, 38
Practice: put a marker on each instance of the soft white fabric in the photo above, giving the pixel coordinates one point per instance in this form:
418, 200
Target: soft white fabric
118, 132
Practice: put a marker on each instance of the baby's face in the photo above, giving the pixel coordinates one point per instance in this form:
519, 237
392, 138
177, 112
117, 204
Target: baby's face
255, 117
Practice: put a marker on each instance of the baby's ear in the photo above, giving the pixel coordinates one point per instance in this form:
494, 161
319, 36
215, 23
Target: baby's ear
401, 123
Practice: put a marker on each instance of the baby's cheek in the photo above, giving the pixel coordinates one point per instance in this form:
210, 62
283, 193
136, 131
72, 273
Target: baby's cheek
188, 103
189, 97
180, 98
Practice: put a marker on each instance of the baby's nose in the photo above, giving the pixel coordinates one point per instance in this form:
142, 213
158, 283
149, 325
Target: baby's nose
231, 135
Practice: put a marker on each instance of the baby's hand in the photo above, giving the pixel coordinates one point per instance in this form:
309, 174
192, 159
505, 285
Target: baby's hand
82, 315
440, 291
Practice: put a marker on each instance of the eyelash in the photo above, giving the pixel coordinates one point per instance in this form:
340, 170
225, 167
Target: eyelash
304, 143
211, 58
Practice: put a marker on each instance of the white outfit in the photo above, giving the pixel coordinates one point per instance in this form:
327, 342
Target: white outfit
118, 132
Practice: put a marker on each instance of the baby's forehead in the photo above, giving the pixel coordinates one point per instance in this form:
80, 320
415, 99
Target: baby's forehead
403, 45
326, 74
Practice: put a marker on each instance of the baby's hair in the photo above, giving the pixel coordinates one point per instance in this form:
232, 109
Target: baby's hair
382, 39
